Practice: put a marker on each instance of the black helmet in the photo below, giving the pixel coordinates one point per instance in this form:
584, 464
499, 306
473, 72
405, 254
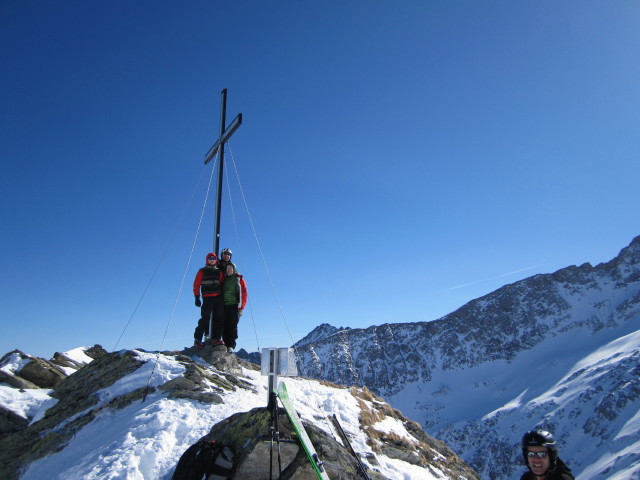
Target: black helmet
540, 438
226, 250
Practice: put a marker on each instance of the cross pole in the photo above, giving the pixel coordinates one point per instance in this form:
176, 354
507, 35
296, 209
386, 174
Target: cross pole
225, 134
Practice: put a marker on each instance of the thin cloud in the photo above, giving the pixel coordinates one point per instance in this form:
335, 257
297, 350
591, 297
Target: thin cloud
492, 278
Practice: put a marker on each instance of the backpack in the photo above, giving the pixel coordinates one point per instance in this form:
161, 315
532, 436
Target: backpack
210, 460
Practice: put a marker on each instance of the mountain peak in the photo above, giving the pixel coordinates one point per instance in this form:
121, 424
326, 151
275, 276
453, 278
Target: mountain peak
320, 333
553, 351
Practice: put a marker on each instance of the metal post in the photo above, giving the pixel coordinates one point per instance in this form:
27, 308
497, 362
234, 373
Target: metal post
274, 364
223, 121
211, 328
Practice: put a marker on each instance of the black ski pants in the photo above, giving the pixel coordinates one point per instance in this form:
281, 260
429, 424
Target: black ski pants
212, 308
230, 331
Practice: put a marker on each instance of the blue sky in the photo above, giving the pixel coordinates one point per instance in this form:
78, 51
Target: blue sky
398, 159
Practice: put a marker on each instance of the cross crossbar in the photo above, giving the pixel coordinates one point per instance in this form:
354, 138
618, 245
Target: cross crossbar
225, 136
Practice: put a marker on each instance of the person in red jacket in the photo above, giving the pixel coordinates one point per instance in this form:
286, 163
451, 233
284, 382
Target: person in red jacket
208, 281
234, 293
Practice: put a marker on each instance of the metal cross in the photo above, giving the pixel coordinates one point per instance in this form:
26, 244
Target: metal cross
225, 134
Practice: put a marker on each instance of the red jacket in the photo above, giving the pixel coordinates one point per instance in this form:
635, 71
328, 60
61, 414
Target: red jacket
208, 279
242, 288
197, 284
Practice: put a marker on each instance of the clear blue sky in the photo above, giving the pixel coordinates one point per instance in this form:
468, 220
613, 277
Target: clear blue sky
398, 158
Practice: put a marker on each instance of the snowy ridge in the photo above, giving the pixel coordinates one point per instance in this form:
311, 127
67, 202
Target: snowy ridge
98, 427
559, 350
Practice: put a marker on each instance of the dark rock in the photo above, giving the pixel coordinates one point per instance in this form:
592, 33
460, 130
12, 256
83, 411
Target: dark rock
11, 422
15, 381
179, 383
96, 352
204, 397
42, 373
247, 433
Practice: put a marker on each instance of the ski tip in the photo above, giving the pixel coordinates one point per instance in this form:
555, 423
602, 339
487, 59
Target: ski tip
282, 387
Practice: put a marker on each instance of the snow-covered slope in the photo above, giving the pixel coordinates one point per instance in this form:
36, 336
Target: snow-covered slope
103, 422
558, 350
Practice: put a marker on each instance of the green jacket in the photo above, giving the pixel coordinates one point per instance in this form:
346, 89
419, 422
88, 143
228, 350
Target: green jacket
234, 291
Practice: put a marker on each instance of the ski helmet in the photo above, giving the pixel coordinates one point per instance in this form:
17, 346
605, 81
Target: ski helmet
226, 250
540, 438
209, 255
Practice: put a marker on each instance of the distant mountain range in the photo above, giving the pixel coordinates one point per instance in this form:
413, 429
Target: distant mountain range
558, 351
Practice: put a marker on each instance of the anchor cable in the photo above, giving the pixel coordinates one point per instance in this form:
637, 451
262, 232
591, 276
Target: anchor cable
315, 400
161, 259
155, 363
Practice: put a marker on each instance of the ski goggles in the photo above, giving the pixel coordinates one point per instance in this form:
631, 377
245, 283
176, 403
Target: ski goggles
537, 454
212, 258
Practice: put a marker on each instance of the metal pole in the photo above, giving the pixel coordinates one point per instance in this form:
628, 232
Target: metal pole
223, 121
274, 362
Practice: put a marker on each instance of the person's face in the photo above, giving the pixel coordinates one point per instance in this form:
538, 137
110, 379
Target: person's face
230, 270
212, 260
538, 465
226, 257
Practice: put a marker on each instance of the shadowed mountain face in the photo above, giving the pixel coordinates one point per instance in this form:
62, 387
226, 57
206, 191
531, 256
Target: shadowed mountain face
557, 350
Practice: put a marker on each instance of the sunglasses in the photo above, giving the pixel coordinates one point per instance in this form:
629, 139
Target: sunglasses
211, 258
537, 454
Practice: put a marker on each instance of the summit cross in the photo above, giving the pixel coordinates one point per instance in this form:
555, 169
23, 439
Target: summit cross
225, 134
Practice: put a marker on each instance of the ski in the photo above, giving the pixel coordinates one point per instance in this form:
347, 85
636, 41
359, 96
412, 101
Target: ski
301, 432
361, 468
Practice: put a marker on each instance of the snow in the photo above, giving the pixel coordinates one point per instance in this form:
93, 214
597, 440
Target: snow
632, 427
78, 355
157, 370
145, 440
14, 363
392, 425
608, 460
25, 403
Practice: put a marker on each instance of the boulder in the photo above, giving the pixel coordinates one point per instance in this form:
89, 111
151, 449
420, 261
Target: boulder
96, 352
42, 373
248, 436
14, 381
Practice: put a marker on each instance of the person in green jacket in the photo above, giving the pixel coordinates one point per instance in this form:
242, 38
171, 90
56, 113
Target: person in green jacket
234, 294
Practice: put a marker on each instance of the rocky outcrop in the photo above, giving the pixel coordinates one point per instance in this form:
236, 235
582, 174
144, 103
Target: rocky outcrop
25, 371
209, 376
15, 380
77, 405
245, 434
95, 352
42, 373
11, 422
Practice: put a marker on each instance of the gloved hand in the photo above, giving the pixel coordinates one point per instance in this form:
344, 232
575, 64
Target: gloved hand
198, 302
240, 313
